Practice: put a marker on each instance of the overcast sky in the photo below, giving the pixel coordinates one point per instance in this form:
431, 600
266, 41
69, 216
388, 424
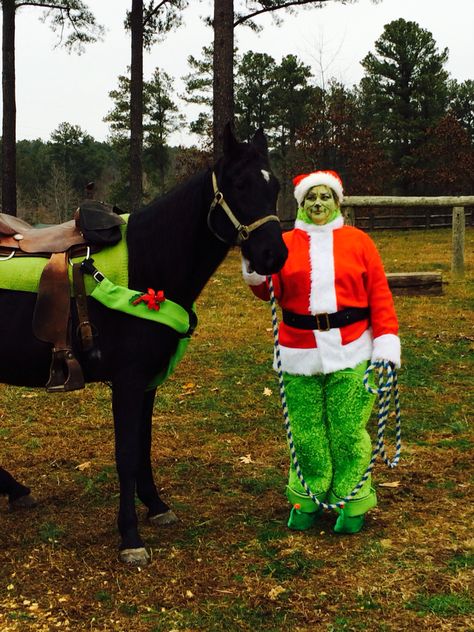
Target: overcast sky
53, 87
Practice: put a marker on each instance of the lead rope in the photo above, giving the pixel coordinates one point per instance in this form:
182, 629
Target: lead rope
384, 392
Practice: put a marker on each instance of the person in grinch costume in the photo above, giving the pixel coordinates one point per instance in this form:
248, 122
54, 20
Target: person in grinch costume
337, 317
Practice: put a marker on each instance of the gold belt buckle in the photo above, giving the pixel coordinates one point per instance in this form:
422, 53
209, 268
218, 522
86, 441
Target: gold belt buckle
319, 325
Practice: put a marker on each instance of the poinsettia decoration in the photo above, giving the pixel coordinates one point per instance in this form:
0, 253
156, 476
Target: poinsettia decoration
151, 298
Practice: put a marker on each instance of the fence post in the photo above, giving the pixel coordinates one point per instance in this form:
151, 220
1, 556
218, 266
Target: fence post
459, 229
371, 218
349, 216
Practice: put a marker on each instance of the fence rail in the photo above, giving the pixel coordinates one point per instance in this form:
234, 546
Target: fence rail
410, 201
394, 221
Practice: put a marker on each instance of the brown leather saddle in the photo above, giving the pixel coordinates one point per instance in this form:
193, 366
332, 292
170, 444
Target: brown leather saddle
95, 225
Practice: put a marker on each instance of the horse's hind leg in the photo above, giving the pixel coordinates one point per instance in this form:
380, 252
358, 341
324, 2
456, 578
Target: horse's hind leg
19, 496
158, 511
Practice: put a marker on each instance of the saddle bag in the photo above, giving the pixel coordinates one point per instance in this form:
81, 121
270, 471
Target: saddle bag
98, 223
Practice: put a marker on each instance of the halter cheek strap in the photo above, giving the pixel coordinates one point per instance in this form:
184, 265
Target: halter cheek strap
243, 231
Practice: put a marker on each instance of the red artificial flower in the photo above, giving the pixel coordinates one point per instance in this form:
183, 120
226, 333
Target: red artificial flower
151, 298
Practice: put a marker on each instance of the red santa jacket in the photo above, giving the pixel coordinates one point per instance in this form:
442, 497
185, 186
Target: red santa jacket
330, 268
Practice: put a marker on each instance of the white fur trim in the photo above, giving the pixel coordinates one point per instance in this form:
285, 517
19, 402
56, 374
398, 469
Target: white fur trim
315, 179
323, 291
251, 278
387, 347
327, 358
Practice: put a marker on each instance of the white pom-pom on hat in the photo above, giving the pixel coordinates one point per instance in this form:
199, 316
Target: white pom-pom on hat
306, 181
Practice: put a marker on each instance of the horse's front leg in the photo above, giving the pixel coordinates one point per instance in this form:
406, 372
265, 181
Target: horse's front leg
158, 511
127, 405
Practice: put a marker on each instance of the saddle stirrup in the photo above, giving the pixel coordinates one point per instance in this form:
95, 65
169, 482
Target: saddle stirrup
51, 323
65, 373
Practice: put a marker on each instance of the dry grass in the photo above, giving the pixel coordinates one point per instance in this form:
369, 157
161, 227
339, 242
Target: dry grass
220, 459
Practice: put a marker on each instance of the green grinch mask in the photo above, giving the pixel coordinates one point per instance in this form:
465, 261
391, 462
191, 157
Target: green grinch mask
320, 206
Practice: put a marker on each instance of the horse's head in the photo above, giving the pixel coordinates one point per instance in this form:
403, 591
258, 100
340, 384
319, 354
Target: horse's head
244, 207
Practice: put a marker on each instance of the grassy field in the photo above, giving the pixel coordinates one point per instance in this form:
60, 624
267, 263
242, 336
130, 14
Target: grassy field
220, 459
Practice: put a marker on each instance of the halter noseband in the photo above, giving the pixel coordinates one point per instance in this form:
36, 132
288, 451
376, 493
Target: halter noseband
243, 231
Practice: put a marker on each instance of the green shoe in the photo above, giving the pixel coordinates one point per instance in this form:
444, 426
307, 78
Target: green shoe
302, 520
351, 517
348, 524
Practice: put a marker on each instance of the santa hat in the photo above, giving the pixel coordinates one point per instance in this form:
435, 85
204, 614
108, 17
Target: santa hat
303, 183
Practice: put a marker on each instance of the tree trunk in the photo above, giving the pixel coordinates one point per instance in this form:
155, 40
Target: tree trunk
9, 109
136, 105
223, 84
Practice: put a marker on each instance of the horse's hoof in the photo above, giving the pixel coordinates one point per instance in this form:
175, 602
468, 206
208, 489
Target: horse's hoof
168, 517
134, 557
24, 502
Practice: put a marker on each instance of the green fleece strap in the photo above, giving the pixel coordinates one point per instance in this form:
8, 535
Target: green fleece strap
173, 363
169, 313
121, 299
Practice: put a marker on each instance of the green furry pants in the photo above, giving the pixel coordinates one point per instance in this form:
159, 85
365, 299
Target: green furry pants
328, 415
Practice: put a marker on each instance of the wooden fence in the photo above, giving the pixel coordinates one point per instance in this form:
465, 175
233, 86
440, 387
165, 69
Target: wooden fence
372, 219
406, 204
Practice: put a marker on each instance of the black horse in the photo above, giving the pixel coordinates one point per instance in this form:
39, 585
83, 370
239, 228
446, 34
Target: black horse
19, 496
174, 244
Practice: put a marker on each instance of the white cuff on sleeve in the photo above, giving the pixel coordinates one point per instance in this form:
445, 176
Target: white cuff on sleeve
387, 347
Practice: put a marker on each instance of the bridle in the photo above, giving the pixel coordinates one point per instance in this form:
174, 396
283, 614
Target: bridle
243, 231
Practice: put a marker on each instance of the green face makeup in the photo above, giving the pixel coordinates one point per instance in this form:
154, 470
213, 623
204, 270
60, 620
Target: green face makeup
320, 206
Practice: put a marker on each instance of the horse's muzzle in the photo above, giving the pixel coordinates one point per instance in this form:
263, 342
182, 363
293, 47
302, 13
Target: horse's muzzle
269, 260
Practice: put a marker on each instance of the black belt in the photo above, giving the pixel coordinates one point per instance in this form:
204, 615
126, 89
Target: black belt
325, 322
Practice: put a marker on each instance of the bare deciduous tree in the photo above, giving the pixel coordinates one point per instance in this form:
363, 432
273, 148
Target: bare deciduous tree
76, 26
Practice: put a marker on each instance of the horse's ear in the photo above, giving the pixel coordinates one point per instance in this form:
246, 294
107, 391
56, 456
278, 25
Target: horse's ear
260, 141
230, 143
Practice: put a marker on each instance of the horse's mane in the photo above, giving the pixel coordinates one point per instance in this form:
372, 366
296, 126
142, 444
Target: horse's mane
170, 212
164, 234
179, 196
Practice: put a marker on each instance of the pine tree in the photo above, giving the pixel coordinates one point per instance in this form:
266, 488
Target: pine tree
404, 90
254, 82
